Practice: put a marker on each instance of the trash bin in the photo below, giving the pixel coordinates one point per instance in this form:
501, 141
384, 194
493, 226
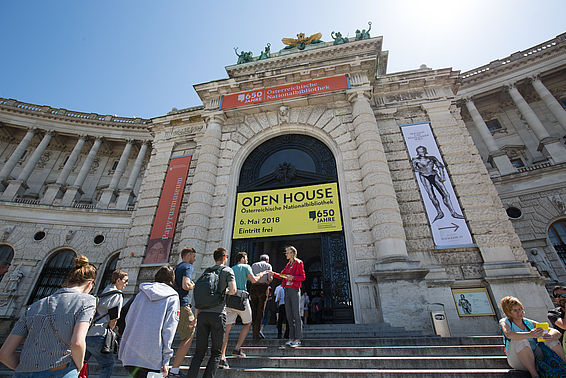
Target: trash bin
439, 321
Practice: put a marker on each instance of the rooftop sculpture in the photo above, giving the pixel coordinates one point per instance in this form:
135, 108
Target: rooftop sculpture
302, 41
364, 34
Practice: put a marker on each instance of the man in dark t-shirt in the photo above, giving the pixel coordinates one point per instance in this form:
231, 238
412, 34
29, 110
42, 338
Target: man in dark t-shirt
185, 328
212, 321
556, 315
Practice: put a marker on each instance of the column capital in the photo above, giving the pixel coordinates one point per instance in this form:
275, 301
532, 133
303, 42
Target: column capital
357, 94
83, 136
50, 132
510, 86
534, 77
214, 117
130, 140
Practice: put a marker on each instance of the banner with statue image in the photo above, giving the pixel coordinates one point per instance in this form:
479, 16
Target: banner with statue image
448, 225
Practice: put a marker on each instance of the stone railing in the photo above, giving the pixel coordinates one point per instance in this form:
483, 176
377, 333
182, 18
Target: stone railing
534, 167
72, 114
515, 56
29, 201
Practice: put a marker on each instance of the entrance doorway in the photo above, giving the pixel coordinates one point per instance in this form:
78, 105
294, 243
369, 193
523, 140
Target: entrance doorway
291, 161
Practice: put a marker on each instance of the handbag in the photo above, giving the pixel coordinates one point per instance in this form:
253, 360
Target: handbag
548, 363
110, 344
84, 371
238, 300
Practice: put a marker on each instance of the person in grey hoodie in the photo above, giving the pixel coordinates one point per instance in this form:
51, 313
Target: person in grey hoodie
150, 326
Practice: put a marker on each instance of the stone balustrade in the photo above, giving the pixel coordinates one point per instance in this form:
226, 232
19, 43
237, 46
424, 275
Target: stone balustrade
72, 114
515, 56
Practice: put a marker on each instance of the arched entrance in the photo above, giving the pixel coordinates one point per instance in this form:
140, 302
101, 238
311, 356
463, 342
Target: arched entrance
290, 161
53, 274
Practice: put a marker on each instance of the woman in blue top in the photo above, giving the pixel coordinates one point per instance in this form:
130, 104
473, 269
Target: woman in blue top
521, 337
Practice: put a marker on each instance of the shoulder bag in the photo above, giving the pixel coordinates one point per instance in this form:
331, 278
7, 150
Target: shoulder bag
238, 300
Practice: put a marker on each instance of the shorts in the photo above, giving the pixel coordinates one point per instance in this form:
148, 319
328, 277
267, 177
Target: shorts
186, 317
245, 314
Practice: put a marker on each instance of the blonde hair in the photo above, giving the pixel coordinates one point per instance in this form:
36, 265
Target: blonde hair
83, 272
293, 250
508, 303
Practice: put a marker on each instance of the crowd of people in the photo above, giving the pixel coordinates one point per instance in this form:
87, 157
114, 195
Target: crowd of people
75, 326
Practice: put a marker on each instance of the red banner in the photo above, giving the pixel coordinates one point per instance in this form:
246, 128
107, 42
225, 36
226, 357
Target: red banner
285, 91
163, 229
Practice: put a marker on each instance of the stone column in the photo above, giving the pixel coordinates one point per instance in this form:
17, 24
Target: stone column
75, 191
550, 146
126, 193
18, 186
551, 103
499, 158
384, 216
53, 190
109, 193
197, 216
16, 155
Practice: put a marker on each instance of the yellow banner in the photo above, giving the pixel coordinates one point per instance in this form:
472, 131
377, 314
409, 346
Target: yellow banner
302, 210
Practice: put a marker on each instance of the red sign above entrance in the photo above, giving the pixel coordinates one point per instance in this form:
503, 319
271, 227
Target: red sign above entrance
327, 84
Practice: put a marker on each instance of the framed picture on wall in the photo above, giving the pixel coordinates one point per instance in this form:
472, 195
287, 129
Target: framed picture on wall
473, 302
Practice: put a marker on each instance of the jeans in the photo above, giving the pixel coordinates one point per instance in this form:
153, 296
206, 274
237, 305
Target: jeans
213, 324
70, 371
105, 360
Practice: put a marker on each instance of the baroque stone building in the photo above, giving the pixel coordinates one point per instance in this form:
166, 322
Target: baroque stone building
83, 183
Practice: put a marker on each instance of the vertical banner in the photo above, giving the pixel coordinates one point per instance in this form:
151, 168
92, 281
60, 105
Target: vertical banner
163, 229
449, 228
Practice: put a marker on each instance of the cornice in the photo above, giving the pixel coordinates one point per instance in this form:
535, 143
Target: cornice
316, 63
71, 117
555, 47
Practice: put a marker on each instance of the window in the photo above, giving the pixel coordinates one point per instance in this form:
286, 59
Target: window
563, 103
517, 162
115, 165
107, 276
557, 236
6, 253
493, 125
514, 212
53, 274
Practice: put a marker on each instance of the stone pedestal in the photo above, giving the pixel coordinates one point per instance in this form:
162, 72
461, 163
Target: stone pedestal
108, 195
53, 191
502, 162
72, 194
552, 147
15, 188
124, 198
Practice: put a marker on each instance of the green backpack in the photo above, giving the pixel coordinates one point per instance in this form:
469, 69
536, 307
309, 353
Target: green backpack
206, 292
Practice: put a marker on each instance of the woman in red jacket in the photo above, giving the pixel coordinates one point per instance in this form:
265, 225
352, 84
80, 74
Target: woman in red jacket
292, 275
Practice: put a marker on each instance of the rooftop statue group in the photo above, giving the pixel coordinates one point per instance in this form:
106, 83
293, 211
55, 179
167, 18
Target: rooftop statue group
300, 43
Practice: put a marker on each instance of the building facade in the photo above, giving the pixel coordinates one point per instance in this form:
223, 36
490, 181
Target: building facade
331, 120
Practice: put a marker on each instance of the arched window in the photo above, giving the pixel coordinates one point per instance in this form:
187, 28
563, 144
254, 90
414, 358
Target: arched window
53, 274
557, 236
6, 253
107, 276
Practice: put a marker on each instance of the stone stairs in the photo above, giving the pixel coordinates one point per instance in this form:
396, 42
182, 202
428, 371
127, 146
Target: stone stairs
348, 350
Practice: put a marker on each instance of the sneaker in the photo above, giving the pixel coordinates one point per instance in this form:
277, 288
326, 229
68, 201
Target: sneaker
295, 344
238, 352
223, 364
288, 343
175, 375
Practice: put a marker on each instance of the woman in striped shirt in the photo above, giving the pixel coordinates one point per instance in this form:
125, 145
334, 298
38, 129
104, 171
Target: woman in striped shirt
54, 329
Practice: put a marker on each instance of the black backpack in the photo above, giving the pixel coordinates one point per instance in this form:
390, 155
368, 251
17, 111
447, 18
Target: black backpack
206, 292
121, 322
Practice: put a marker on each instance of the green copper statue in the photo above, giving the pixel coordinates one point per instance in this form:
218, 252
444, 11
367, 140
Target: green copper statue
338, 39
364, 34
244, 57
266, 53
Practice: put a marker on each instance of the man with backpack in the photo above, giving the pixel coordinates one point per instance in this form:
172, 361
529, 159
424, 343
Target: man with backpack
209, 295
185, 328
107, 313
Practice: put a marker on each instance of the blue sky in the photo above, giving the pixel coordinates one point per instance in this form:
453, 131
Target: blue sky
141, 58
